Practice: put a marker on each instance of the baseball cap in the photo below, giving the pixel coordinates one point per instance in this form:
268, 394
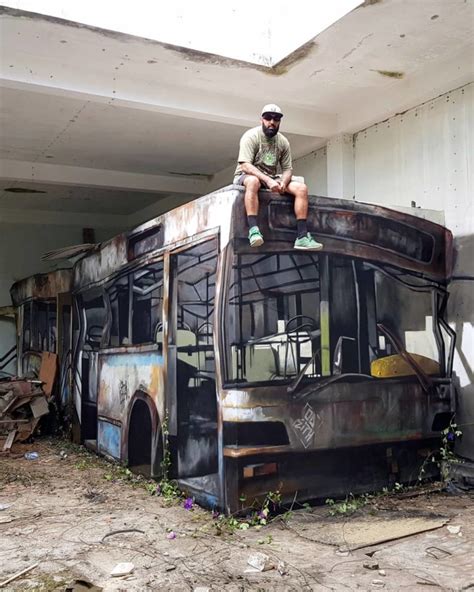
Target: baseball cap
272, 108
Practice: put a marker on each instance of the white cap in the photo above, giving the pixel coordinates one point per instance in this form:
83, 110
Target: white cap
272, 108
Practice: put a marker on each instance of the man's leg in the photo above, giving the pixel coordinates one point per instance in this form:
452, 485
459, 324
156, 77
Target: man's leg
252, 185
304, 239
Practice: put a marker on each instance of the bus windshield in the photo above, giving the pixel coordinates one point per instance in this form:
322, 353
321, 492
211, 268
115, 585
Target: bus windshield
272, 323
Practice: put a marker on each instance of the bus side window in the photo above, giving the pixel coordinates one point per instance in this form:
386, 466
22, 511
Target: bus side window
147, 304
118, 294
196, 275
95, 315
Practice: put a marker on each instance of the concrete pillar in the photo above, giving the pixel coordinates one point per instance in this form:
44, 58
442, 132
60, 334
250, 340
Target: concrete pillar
341, 166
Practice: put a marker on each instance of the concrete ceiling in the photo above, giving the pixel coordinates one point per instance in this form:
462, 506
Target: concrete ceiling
73, 198
88, 114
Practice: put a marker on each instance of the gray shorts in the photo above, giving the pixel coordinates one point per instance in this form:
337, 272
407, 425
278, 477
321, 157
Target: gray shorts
239, 179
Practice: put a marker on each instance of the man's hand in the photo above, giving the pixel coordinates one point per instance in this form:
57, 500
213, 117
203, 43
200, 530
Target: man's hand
285, 180
273, 185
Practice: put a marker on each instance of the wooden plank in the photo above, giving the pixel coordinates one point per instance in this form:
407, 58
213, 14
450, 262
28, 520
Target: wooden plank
11, 405
25, 430
17, 575
9, 441
47, 373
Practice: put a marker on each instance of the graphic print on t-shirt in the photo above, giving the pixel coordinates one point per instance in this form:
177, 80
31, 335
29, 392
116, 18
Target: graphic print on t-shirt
267, 157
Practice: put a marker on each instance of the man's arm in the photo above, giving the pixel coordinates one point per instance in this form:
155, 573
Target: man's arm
286, 179
251, 169
286, 166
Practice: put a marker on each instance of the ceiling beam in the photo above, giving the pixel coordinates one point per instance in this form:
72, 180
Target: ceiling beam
25, 171
45, 217
180, 102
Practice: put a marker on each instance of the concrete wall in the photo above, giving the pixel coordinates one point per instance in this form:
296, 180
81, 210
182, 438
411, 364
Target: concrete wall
313, 167
425, 155
21, 248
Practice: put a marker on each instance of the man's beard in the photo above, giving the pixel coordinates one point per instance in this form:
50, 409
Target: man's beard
269, 132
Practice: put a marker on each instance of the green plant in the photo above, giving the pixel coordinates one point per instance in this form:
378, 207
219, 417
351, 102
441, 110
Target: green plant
82, 464
444, 456
260, 515
347, 506
167, 487
398, 487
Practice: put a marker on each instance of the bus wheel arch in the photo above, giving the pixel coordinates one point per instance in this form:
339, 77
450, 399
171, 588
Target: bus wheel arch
143, 438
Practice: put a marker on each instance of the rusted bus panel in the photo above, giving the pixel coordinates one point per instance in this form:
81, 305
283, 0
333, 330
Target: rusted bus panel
43, 286
347, 227
121, 376
109, 438
342, 415
101, 263
204, 214
355, 229
332, 473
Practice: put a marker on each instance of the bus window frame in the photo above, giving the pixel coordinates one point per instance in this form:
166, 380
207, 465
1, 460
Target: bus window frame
438, 296
225, 357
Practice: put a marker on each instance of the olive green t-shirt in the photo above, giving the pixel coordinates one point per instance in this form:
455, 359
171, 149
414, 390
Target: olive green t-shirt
264, 153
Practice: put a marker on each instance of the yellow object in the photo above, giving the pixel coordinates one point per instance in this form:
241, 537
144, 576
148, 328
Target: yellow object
393, 366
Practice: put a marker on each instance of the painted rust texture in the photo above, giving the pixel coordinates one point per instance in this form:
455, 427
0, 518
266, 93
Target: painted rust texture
201, 215
290, 425
122, 375
355, 229
347, 227
43, 286
344, 414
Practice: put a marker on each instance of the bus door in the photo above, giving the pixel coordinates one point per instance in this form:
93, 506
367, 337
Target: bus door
192, 398
64, 340
93, 317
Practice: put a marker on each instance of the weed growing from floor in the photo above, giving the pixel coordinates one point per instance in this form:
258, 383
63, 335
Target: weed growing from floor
444, 456
166, 487
259, 515
352, 503
348, 506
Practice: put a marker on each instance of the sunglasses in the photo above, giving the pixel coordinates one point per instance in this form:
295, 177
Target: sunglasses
270, 116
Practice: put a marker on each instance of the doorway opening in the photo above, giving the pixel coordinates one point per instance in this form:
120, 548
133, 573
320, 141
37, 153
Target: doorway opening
140, 439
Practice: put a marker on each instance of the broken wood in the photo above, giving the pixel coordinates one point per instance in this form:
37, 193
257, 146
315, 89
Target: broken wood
9, 441
18, 575
47, 373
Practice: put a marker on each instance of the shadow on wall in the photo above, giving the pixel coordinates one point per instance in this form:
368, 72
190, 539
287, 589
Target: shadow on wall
461, 318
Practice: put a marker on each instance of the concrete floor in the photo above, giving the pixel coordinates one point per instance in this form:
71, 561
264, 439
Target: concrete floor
56, 511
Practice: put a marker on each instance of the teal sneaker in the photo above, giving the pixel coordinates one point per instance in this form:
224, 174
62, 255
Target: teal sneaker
307, 243
255, 237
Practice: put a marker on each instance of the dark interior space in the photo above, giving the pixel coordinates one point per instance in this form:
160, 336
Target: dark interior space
139, 438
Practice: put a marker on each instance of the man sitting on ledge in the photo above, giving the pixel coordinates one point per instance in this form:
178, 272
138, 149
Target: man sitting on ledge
262, 150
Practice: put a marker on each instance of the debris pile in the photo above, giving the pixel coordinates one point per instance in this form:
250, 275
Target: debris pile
23, 402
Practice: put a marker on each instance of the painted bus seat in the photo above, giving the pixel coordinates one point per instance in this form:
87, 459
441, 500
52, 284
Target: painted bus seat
394, 366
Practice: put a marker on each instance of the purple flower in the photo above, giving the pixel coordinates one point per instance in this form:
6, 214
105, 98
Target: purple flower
450, 437
188, 503
171, 535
